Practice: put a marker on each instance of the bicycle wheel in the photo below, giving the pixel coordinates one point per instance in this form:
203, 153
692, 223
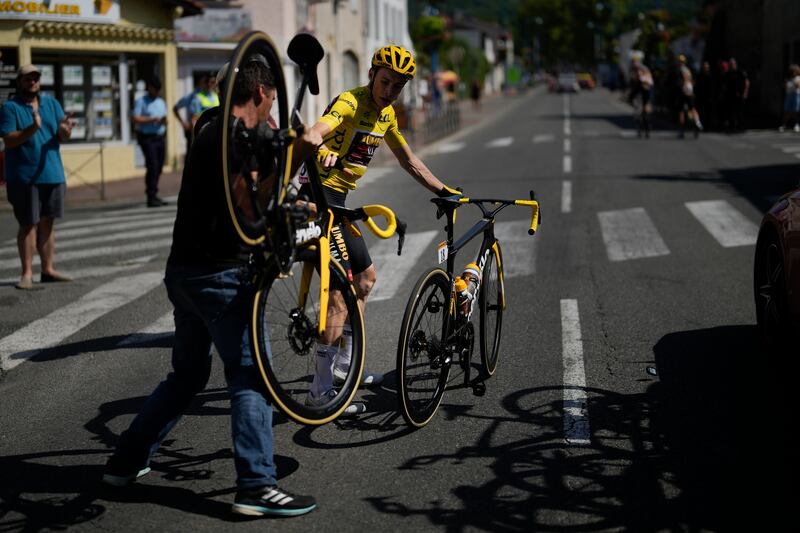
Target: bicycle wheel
249, 164
491, 306
286, 315
423, 361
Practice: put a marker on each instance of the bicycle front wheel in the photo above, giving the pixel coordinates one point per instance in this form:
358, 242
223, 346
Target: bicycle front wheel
423, 361
286, 316
491, 307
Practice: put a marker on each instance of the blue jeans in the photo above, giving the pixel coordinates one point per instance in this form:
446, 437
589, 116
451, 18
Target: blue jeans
210, 306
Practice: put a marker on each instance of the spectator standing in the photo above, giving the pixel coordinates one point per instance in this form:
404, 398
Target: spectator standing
705, 94
203, 97
475, 94
791, 102
150, 119
33, 126
739, 91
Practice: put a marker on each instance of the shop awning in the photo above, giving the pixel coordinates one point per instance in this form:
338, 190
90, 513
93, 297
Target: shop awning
107, 31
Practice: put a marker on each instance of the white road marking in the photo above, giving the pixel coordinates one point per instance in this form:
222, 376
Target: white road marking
576, 413
164, 326
788, 148
118, 216
518, 248
567, 127
393, 270
630, 234
6, 264
728, 225
448, 148
65, 321
566, 196
74, 228
567, 146
98, 272
543, 138
567, 164
80, 242
627, 134
500, 143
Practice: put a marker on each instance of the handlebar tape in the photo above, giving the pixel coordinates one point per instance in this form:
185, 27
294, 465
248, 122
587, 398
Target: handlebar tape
534, 205
385, 212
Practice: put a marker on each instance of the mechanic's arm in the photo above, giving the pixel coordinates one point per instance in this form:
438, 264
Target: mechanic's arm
417, 169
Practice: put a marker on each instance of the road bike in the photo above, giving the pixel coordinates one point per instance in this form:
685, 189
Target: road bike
437, 328
300, 287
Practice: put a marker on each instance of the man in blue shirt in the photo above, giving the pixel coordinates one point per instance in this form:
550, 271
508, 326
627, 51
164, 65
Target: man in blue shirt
150, 119
32, 126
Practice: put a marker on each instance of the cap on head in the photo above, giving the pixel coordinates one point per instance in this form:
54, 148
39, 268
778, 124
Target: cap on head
395, 58
24, 70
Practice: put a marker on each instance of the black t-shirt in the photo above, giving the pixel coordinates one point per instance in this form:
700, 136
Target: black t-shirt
204, 235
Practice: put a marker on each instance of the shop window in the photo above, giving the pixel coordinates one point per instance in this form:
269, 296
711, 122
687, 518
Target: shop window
88, 89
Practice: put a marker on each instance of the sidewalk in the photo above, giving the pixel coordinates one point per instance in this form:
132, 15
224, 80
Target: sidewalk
131, 190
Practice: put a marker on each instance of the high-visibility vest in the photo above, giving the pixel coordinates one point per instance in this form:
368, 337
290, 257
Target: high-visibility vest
207, 101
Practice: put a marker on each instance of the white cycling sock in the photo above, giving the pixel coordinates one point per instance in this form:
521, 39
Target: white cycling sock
323, 377
345, 352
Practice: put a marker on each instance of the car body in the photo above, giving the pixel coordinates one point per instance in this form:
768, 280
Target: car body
567, 82
776, 271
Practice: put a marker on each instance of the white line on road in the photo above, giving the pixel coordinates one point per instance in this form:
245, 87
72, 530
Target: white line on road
576, 413
567, 127
566, 196
117, 238
543, 138
567, 164
95, 252
99, 271
630, 234
567, 146
65, 321
163, 327
729, 226
393, 269
448, 148
500, 143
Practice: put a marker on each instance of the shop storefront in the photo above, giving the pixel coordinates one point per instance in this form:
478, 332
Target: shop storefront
94, 56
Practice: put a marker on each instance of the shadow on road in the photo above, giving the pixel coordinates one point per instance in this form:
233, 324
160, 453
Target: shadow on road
701, 449
61, 488
760, 185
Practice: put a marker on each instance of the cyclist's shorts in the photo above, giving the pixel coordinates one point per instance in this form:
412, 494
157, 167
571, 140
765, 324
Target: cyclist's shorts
354, 250
687, 102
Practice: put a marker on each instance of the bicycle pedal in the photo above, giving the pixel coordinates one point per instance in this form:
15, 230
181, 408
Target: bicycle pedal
478, 388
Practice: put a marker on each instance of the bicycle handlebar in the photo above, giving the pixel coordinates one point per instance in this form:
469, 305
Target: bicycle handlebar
454, 201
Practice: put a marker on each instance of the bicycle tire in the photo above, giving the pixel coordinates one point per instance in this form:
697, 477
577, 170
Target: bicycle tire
248, 225
491, 307
284, 338
422, 359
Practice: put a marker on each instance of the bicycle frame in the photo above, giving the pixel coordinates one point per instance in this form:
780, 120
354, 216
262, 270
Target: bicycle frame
447, 207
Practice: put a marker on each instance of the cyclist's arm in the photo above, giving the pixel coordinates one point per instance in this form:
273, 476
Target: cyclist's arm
416, 168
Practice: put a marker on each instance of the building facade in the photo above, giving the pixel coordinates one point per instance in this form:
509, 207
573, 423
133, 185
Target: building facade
94, 56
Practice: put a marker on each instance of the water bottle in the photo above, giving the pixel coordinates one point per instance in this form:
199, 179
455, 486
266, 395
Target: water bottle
472, 277
462, 300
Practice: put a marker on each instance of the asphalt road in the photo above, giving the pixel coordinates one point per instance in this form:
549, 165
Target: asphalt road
631, 394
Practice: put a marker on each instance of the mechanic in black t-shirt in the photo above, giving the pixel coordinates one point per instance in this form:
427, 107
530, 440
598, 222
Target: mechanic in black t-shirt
209, 283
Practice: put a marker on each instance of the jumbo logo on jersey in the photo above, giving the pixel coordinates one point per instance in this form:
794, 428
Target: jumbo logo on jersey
363, 147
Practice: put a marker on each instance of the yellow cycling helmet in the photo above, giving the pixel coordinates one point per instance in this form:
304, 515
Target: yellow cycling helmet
395, 58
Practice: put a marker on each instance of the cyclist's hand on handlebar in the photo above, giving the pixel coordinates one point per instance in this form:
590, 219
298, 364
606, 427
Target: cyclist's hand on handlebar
449, 191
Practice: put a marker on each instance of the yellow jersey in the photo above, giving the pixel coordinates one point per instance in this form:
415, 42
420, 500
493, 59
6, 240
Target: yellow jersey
357, 129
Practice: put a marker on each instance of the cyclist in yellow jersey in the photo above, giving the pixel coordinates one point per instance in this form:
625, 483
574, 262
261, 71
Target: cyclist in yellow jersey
353, 126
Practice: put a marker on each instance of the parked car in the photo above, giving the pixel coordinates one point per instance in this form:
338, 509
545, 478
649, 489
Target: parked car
776, 272
568, 83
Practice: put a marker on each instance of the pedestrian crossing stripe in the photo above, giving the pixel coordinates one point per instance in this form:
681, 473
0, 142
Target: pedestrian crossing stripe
500, 142
630, 234
65, 321
724, 222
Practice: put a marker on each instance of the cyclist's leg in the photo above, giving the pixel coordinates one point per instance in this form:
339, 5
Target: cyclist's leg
364, 276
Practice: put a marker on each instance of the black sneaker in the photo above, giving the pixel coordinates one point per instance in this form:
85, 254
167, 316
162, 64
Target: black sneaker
271, 501
123, 479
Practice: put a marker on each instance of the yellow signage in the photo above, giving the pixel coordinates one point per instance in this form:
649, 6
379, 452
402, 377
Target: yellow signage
97, 11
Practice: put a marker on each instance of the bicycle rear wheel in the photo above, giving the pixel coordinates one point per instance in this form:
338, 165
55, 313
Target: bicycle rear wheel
491, 307
286, 315
250, 166
423, 361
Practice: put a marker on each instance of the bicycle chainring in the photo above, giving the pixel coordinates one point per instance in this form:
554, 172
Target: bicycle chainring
301, 333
